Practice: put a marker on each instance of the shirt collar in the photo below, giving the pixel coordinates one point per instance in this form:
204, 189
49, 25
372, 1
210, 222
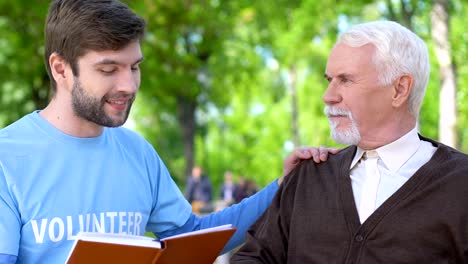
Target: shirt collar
395, 154
357, 156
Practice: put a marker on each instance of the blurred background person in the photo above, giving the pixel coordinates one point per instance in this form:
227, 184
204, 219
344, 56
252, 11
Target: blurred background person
246, 188
251, 187
199, 191
228, 189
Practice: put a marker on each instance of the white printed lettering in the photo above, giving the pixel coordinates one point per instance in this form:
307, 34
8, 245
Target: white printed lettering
81, 220
61, 229
99, 225
130, 223
88, 222
138, 218
70, 235
111, 216
122, 222
39, 235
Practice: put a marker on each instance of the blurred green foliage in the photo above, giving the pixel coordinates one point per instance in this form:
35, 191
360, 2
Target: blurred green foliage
215, 77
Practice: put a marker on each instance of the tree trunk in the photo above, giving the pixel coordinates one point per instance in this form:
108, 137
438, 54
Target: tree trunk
186, 117
406, 12
294, 109
447, 105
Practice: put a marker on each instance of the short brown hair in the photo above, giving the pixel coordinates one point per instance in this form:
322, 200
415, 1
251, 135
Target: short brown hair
74, 27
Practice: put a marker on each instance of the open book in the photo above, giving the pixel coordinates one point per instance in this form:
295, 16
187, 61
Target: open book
198, 247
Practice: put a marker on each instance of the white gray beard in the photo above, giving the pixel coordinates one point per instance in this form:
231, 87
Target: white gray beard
350, 136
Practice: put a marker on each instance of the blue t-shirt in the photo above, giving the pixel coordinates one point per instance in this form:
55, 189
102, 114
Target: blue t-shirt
53, 185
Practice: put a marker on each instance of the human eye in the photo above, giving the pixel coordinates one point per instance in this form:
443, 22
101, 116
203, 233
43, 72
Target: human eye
107, 70
328, 78
345, 80
135, 68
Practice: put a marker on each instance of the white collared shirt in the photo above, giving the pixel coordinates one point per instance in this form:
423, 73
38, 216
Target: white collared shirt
398, 161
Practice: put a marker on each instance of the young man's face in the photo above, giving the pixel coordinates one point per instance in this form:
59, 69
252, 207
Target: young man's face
357, 104
107, 84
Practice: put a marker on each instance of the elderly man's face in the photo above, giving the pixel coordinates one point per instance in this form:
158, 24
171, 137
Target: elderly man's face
357, 105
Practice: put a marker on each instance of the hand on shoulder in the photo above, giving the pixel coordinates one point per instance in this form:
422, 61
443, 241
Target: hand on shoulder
318, 154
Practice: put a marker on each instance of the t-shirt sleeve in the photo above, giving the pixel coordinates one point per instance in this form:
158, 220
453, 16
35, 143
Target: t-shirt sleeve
10, 221
8, 259
240, 215
170, 208
243, 214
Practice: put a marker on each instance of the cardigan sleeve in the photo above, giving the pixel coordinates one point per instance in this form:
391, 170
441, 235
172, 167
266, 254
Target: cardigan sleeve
267, 239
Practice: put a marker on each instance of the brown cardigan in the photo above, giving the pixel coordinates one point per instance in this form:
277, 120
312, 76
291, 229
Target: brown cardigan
313, 218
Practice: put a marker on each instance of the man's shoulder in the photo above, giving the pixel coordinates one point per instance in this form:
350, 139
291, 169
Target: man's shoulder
446, 161
24, 120
446, 152
335, 164
342, 158
22, 129
452, 158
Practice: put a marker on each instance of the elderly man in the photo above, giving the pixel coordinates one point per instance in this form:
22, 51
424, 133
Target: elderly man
392, 196
71, 167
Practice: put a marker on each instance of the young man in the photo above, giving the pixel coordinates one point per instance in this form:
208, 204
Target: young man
403, 201
70, 167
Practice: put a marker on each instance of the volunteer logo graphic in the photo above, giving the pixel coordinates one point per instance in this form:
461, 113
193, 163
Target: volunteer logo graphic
58, 229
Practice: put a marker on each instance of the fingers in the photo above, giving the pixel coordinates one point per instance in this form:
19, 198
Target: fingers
293, 159
311, 153
317, 154
302, 153
333, 150
323, 153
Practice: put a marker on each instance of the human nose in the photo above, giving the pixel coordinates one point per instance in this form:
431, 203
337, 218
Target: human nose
331, 95
129, 82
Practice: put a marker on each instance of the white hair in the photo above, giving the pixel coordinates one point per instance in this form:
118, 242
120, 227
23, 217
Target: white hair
398, 51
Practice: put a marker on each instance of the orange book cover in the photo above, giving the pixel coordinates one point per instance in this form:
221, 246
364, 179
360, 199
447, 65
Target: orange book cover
198, 247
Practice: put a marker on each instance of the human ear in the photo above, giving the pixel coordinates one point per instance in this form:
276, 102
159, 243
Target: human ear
402, 88
58, 67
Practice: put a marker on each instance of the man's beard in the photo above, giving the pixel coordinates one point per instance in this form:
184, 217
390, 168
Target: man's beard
349, 136
92, 109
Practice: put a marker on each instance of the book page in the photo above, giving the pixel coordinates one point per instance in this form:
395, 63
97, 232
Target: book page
121, 239
201, 231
